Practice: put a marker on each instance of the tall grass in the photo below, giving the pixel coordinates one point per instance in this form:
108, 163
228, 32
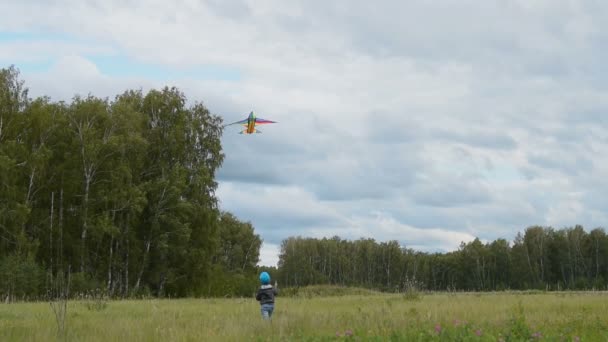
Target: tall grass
316, 317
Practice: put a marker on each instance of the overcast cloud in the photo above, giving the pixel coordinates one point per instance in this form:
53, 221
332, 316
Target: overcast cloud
428, 122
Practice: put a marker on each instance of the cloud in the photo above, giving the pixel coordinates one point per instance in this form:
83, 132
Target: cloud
427, 239
423, 121
43, 50
277, 210
269, 254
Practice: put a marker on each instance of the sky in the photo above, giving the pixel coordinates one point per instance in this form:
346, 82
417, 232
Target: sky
426, 122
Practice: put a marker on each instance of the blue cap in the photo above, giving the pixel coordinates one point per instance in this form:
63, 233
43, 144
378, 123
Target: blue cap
265, 278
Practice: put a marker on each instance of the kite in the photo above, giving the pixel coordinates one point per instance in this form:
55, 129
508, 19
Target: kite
250, 122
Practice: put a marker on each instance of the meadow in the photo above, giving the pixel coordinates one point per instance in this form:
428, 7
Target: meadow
320, 315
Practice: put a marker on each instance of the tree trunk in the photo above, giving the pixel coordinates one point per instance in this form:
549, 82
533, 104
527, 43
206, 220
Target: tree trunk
110, 264
530, 263
51, 233
127, 271
30, 186
83, 235
127, 242
143, 265
572, 267
60, 252
388, 270
247, 255
597, 259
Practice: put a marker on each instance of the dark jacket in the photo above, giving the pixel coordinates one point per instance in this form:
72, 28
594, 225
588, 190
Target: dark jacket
266, 294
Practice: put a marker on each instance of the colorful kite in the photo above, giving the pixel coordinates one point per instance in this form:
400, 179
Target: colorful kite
250, 122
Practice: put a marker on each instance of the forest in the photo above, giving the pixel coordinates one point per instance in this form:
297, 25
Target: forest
543, 258
120, 194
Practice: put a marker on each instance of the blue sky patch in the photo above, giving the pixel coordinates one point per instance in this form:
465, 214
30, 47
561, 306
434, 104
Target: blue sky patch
13, 36
121, 65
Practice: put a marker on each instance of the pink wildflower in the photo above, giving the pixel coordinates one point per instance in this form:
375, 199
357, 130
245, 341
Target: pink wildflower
478, 332
438, 328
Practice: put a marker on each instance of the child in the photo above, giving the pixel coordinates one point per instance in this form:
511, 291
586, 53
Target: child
266, 295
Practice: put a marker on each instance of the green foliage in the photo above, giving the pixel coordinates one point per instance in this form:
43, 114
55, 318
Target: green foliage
412, 289
517, 328
96, 300
82, 284
121, 191
541, 259
231, 284
20, 278
58, 294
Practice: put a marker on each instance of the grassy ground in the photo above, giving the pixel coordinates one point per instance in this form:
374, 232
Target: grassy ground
376, 317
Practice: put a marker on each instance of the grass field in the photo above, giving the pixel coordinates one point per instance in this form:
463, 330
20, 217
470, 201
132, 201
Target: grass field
364, 316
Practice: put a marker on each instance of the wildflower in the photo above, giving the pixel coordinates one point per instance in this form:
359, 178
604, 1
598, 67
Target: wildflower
438, 328
457, 322
478, 332
338, 334
348, 333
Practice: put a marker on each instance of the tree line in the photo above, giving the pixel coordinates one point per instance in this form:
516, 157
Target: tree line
118, 193
540, 258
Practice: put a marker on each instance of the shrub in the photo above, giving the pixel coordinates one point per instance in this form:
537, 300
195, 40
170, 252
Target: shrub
20, 278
